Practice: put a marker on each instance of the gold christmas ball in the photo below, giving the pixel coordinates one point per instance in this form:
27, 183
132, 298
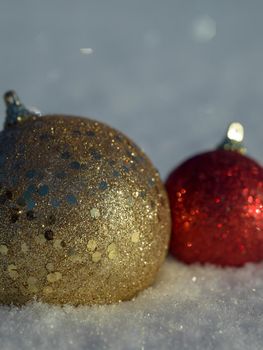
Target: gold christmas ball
84, 217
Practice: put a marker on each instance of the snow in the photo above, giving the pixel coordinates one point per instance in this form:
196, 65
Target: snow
171, 74
187, 308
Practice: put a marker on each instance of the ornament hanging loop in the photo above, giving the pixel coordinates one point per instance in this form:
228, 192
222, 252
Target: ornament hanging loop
16, 112
234, 139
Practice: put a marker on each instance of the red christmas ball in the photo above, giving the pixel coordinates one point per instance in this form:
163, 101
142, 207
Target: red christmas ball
217, 209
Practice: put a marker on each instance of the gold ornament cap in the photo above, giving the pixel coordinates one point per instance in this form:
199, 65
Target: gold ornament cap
234, 138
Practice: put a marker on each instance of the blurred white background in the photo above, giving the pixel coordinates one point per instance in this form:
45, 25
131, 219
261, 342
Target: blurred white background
171, 74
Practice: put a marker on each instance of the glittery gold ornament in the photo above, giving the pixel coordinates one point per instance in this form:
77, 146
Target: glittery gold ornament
84, 217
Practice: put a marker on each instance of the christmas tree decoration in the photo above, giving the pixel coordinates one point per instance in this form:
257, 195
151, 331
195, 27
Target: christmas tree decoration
84, 216
216, 201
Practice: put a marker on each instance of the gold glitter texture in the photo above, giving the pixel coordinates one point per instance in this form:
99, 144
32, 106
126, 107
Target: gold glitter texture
3, 249
84, 215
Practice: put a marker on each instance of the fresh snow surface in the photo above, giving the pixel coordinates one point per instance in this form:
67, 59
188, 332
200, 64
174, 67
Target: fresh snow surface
188, 308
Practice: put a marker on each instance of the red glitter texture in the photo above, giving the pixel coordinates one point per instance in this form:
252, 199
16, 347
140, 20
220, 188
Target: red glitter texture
217, 209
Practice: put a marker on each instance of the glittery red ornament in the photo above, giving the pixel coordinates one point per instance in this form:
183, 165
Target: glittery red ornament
217, 209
